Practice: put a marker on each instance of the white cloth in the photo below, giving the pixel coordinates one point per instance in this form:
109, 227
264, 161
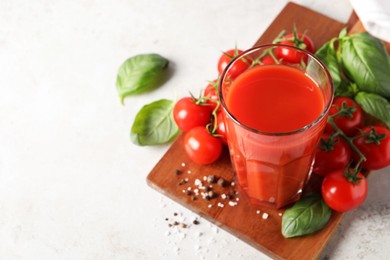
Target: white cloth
375, 16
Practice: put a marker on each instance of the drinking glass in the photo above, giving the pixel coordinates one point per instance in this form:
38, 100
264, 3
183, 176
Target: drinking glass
272, 167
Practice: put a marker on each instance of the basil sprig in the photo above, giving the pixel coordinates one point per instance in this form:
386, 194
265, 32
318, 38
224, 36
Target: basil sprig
307, 216
154, 124
140, 73
360, 68
366, 63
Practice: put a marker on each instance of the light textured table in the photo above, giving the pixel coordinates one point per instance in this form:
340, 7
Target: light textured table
72, 185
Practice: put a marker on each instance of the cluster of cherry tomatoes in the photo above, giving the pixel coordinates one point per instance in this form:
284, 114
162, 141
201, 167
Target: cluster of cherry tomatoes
347, 147
201, 120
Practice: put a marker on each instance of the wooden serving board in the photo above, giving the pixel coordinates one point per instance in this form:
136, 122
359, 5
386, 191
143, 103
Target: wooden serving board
243, 220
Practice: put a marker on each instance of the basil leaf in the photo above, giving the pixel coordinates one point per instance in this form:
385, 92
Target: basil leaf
375, 105
154, 124
366, 62
140, 73
308, 215
327, 54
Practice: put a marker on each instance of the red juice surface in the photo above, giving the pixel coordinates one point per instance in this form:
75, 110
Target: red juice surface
275, 98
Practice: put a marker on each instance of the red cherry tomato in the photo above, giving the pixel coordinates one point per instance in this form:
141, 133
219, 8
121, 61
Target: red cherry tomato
301, 41
268, 60
332, 154
349, 125
201, 147
238, 67
221, 130
342, 195
211, 92
188, 114
375, 145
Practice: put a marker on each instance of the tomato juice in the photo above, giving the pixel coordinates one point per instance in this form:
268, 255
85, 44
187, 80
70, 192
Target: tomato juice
269, 115
275, 99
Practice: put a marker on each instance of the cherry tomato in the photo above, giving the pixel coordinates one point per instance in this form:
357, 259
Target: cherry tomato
299, 40
332, 153
238, 67
201, 146
268, 60
349, 125
221, 130
375, 145
211, 92
188, 114
342, 195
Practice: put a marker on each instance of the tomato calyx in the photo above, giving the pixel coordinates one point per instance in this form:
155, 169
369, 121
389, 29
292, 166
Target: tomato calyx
236, 51
214, 84
294, 39
200, 101
297, 42
328, 144
351, 174
372, 137
345, 110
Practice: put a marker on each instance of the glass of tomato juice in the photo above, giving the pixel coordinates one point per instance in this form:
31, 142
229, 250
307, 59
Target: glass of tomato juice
274, 112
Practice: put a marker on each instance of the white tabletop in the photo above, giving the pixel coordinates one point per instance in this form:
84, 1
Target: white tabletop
72, 185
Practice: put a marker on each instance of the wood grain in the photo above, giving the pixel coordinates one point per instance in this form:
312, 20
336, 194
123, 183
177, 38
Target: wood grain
242, 220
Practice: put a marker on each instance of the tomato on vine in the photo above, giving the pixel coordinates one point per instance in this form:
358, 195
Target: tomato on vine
374, 143
237, 68
188, 114
343, 191
201, 147
299, 40
349, 116
332, 153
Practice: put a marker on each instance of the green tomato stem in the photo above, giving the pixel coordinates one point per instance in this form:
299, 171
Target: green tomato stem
349, 140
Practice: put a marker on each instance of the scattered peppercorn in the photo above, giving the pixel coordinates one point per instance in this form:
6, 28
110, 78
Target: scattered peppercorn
222, 182
212, 194
211, 179
207, 188
183, 181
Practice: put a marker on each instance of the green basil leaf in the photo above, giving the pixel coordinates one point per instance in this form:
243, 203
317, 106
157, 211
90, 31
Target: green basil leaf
327, 54
375, 105
140, 73
307, 216
366, 62
154, 124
